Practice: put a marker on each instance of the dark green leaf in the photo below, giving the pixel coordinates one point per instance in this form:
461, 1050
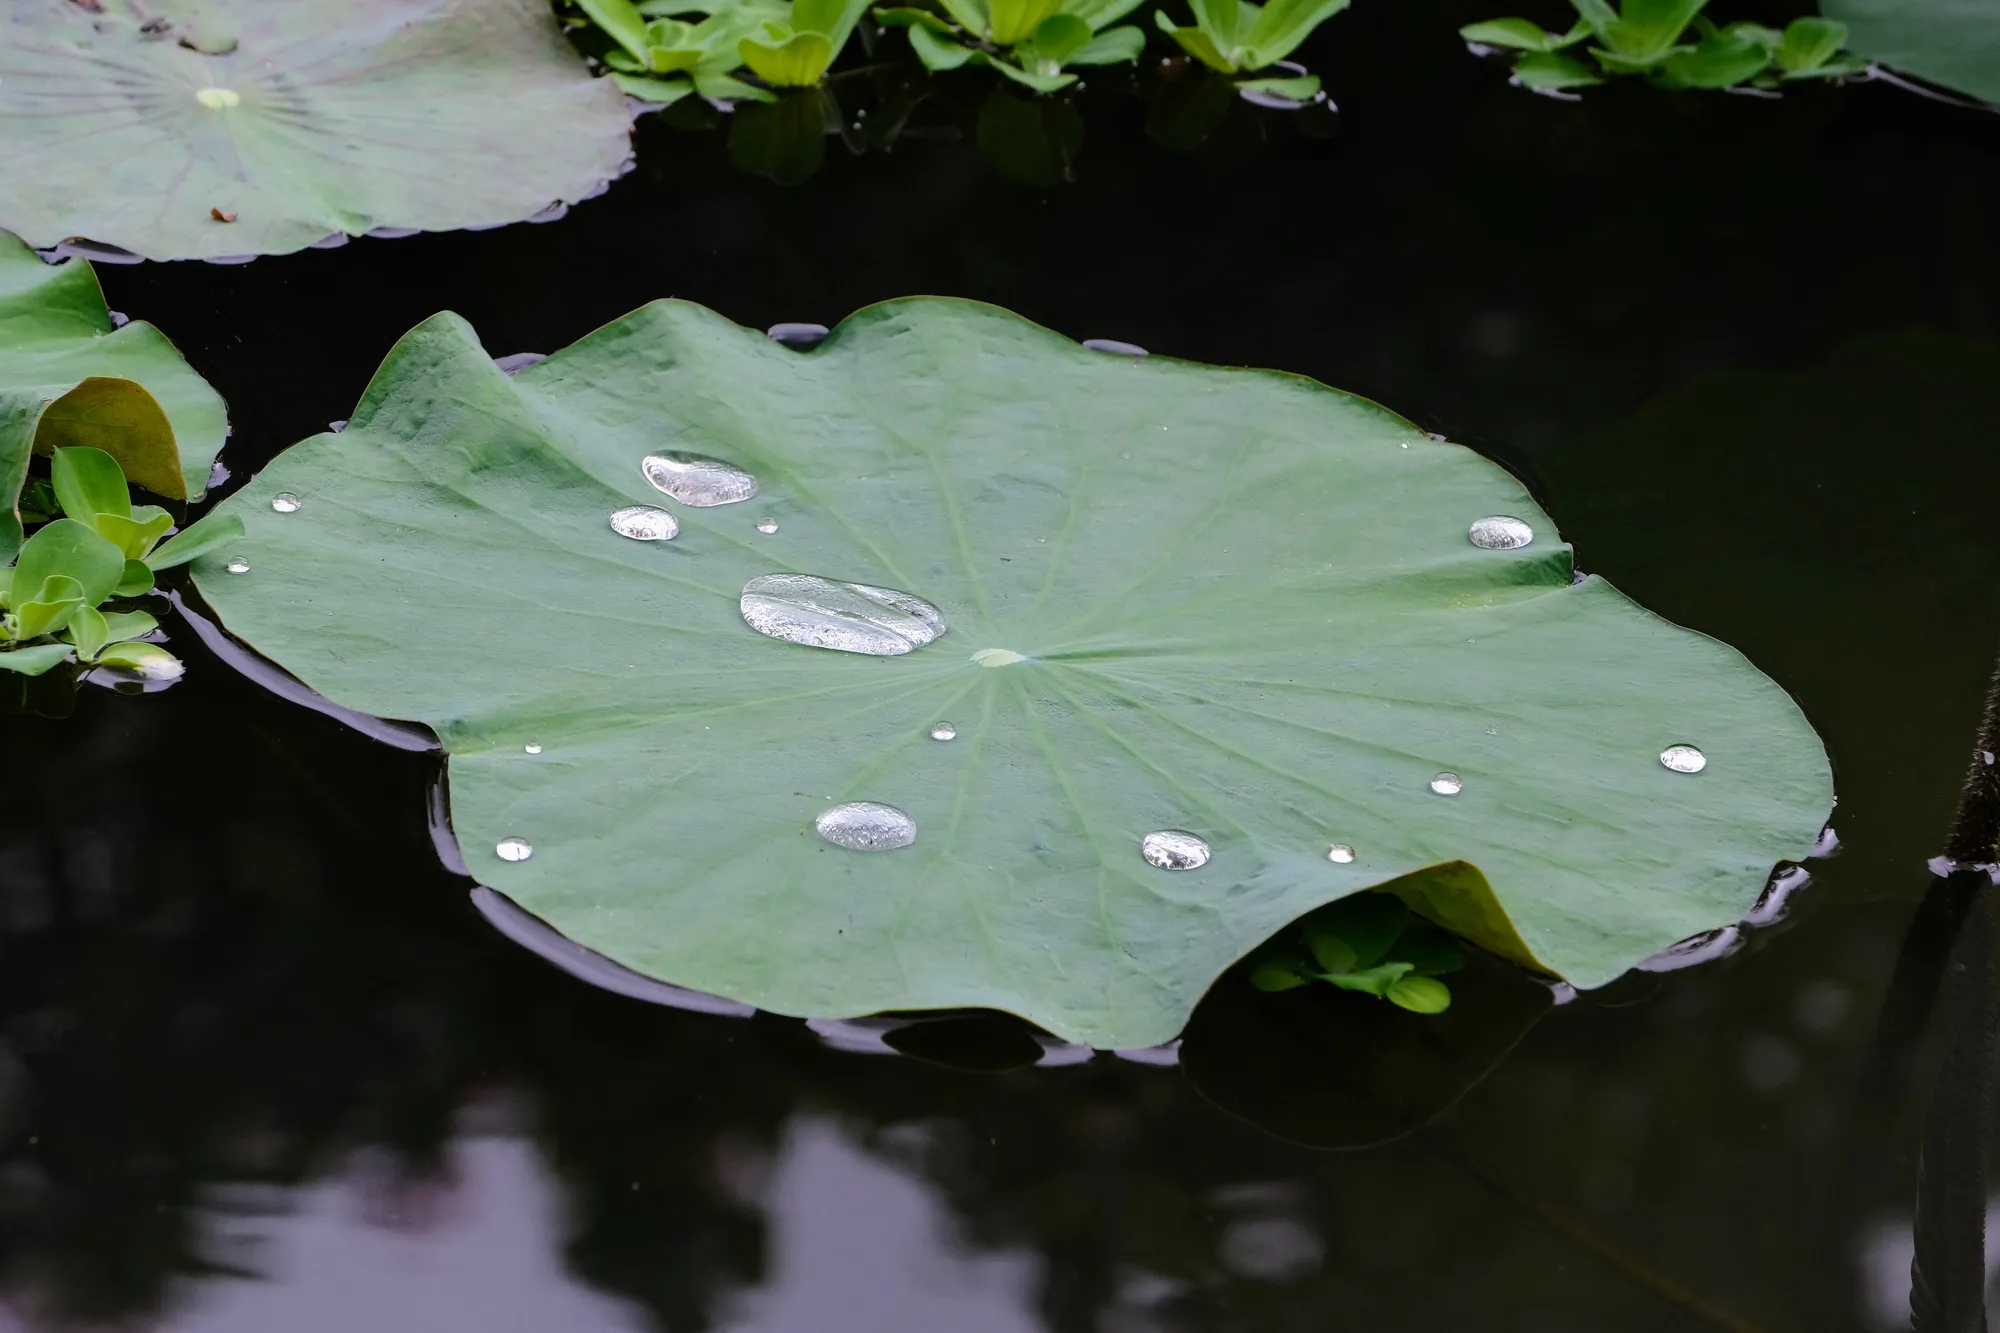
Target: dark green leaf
1363, 925
34, 659
88, 483
69, 549
1553, 73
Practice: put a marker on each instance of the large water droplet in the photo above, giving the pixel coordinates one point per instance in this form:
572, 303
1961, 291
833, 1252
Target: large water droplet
1500, 532
1447, 784
767, 526
643, 523
1171, 849
849, 617
238, 566
217, 99
798, 337
532, 747
513, 849
997, 657
285, 502
944, 731
1340, 854
697, 481
866, 826
1683, 759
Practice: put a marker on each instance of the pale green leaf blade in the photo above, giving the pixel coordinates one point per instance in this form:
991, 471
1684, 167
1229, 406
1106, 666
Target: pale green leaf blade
1225, 601
88, 632
34, 659
89, 485
69, 549
210, 534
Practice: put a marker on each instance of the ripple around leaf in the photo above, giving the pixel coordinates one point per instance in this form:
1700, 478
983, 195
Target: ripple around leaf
1232, 604
323, 118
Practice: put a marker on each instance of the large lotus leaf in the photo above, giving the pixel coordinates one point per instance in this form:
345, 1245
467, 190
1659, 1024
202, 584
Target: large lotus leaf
68, 377
1244, 606
1955, 43
232, 127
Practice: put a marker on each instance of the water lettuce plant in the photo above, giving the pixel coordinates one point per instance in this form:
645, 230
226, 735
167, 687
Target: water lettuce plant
70, 375
104, 547
1365, 944
1649, 38
234, 127
952, 663
1235, 37
1033, 42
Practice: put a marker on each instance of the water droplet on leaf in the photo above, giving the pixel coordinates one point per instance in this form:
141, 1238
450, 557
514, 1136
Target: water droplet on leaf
1447, 784
1340, 854
866, 826
643, 523
767, 526
513, 849
1683, 759
1171, 849
1500, 532
997, 657
285, 502
217, 99
847, 617
238, 566
532, 748
697, 481
944, 731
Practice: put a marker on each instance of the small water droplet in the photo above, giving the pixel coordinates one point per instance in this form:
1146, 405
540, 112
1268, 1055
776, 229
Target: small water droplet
238, 566
1683, 759
1500, 532
944, 731
513, 849
532, 747
847, 617
1447, 784
798, 337
1340, 854
217, 99
1171, 849
997, 657
697, 481
643, 523
866, 826
767, 526
285, 502
1114, 347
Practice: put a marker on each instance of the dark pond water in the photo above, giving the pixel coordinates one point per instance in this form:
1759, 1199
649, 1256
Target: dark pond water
263, 1066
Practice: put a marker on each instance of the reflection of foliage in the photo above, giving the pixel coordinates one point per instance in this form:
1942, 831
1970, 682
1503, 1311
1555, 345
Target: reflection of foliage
1645, 38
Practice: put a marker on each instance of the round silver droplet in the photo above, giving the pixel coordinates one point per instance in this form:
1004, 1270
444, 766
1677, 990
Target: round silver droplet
643, 523
944, 731
1500, 532
847, 617
866, 826
1683, 759
1172, 849
513, 849
698, 481
1447, 784
1340, 854
767, 526
238, 566
285, 502
532, 748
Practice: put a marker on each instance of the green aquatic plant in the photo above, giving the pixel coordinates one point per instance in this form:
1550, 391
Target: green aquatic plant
794, 51
1235, 37
663, 59
105, 547
140, 127
1033, 42
1366, 943
1648, 38
952, 663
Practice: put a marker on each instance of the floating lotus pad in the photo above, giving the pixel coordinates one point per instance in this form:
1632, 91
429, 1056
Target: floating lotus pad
1229, 604
67, 376
261, 126
1953, 43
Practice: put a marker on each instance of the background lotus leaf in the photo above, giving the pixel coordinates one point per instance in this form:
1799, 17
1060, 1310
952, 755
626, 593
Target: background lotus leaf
1954, 43
235, 127
69, 377
1244, 605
